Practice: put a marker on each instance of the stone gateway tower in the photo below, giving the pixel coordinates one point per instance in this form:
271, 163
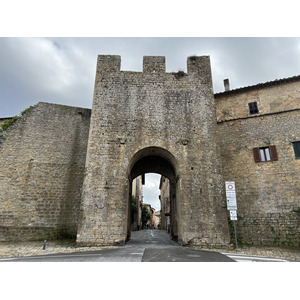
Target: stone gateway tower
158, 122
68, 172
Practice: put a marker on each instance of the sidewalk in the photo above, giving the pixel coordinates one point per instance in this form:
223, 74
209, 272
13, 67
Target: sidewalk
18, 249
271, 252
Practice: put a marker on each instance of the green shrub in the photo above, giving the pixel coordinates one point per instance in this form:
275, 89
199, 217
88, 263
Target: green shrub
11, 121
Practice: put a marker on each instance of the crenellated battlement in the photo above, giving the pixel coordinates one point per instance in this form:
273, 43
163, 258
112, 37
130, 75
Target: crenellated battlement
109, 63
199, 64
155, 64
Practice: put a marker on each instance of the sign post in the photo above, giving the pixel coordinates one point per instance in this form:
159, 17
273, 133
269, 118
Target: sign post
233, 217
234, 226
231, 205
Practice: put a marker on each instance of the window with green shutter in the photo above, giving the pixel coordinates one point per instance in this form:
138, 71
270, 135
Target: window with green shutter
296, 146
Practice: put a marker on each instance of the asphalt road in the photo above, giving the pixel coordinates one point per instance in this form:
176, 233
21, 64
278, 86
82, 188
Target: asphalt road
144, 246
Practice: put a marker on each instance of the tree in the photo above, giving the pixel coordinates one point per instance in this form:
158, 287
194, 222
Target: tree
145, 215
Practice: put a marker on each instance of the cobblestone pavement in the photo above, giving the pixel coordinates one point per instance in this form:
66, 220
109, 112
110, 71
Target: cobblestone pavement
34, 248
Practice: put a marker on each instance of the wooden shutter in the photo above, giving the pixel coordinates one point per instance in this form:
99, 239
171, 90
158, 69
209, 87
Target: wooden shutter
256, 154
273, 153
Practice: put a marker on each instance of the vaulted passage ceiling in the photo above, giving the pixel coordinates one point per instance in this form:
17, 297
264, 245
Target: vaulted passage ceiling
153, 164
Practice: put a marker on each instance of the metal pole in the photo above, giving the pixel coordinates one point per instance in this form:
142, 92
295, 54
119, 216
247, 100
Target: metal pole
234, 226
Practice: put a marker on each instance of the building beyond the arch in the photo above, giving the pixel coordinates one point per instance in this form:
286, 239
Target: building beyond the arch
66, 171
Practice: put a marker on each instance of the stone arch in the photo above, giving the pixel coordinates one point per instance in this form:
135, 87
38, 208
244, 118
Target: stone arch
153, 159
161, 161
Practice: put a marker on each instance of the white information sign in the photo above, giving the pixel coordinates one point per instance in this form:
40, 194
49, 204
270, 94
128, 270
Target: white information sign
233, 215
231, 203
230, 195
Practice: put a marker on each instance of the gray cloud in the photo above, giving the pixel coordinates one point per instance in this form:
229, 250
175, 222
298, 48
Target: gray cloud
40, 69
151, 190
62, 70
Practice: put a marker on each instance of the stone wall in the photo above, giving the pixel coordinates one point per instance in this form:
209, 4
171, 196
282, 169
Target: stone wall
41, 172
164, 187
170, 116
268, 193
137, 199
168, 123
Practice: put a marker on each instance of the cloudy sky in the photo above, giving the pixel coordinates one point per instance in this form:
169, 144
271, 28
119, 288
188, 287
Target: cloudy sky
151, 191
62, 70
54, 65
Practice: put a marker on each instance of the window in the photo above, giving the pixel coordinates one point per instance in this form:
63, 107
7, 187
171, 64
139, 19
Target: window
264, 154
253, 108
296, 146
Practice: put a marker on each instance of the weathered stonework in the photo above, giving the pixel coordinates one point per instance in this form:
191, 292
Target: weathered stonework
272, 97
164, 187
140, 121
268, 193
67, 172
41, 173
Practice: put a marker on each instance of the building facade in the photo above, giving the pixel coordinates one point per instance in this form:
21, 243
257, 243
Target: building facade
136, 204
259, 139
164, 187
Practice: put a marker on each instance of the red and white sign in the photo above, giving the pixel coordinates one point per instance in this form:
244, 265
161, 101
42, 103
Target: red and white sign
230, 185
230, 195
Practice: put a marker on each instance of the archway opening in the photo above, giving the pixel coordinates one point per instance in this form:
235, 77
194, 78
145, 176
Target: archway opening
145, 202
153, 166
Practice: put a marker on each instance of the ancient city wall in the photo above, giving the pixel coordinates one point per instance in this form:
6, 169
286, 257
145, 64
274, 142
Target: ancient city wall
173, 116
172, 113
268, 193
42, 158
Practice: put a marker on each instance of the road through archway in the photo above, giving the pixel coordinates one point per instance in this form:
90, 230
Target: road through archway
160, 161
